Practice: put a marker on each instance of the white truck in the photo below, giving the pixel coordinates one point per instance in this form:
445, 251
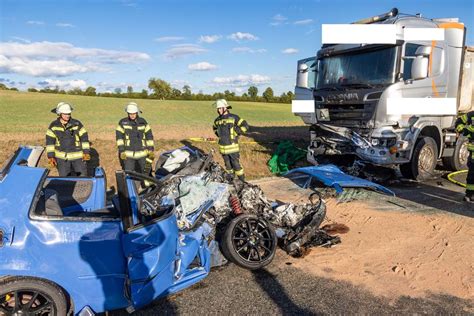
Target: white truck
390, 104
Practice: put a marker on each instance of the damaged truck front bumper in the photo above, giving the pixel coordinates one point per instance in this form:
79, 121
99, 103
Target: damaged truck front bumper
374, 147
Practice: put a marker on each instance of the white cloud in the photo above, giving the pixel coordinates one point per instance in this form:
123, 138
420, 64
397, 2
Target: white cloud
209, 39
169, 39
202, 66
21, 39
303, 22
65, 25
241, 80
239, 36
31, 67
179, 83
290, 51
35, 22
111, 86
64, 84
60, 59
67, 50
182, 50
278, 20
248, 50
128, 3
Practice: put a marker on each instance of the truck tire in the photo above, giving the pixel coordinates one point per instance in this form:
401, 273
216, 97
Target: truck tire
249, 242
458, 161
28, 296
423, 161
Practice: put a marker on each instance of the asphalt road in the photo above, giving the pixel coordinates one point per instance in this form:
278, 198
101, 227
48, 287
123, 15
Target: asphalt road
283, 289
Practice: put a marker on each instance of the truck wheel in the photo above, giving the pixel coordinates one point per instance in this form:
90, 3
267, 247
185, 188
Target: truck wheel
423, 161
28, 296
249, 242
458, 161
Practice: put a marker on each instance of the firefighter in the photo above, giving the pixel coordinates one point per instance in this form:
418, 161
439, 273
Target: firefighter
465, 126
135, 141
228, 127
67, 143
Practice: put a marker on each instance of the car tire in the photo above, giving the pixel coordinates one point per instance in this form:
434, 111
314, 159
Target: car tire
41, 294
423, 161
249, 241
458, 161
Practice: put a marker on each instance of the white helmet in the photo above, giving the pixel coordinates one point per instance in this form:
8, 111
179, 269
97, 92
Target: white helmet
222, 103
63, 108
132, 107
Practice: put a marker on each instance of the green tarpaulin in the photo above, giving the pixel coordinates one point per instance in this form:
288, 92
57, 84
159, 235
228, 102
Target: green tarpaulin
285, 156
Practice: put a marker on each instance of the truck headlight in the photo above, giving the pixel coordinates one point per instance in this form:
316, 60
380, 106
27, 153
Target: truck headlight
383, 142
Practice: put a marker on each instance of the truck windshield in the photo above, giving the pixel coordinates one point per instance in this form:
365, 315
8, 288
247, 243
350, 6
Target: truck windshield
361, 68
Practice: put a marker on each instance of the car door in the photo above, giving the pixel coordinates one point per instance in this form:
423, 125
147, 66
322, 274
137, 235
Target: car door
149, 244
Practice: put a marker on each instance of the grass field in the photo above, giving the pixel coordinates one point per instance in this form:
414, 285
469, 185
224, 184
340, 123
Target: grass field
26, 117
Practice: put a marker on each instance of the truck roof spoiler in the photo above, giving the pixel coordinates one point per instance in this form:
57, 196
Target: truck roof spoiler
377, 18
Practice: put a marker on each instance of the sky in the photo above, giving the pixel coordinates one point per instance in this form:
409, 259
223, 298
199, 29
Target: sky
209, 45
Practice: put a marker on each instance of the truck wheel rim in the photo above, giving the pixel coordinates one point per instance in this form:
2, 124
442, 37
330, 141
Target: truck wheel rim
463, 154
252, 240
26, 302
426, 159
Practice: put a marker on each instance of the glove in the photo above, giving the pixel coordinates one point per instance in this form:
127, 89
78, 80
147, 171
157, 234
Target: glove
151, 155
86, 157
52, 162
123, 155
465, 132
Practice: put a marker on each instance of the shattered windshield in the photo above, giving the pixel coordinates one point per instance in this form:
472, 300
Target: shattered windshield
364, 68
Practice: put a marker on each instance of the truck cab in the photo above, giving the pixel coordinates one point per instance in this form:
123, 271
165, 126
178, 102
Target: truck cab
356, 97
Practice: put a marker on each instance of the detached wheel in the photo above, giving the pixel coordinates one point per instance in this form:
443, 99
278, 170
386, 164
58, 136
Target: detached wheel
423, 161
458, 161
250, 242
27, 296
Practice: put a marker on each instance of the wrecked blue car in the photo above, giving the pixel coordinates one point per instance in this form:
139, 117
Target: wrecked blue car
67, 246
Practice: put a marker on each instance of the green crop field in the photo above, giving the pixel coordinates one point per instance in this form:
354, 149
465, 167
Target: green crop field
31, 111
26, 117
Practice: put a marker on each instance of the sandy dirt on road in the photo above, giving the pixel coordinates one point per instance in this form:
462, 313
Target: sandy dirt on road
392, 253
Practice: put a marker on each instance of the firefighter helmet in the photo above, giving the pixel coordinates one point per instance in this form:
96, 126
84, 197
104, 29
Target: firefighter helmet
132, 107
222, 103
63, 108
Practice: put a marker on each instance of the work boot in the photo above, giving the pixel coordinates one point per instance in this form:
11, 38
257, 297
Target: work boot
242, 178
469, 198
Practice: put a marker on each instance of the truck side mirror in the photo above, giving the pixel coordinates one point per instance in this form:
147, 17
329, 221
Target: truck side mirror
302, 76
419, 67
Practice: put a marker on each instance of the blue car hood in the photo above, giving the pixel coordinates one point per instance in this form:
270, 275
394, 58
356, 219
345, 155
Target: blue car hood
332, 176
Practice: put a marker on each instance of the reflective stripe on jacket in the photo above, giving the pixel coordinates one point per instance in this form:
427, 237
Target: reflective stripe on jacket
68, 142
465, 126
135, 138
228, 128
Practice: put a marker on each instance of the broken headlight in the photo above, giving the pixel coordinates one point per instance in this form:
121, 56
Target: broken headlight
383, 142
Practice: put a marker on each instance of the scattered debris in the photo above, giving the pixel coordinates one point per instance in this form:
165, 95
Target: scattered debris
332, 176
201, 179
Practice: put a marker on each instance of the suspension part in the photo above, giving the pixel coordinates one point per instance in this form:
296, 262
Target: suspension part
235, 205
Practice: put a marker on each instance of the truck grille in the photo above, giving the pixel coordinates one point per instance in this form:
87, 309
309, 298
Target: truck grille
348, 114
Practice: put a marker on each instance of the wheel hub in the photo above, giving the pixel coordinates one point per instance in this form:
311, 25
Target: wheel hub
426, 158
463, 154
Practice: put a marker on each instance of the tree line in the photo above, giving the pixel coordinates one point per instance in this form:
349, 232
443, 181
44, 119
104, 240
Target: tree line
162, 90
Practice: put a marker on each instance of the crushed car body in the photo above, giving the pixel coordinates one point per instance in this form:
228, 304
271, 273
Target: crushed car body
86, 252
